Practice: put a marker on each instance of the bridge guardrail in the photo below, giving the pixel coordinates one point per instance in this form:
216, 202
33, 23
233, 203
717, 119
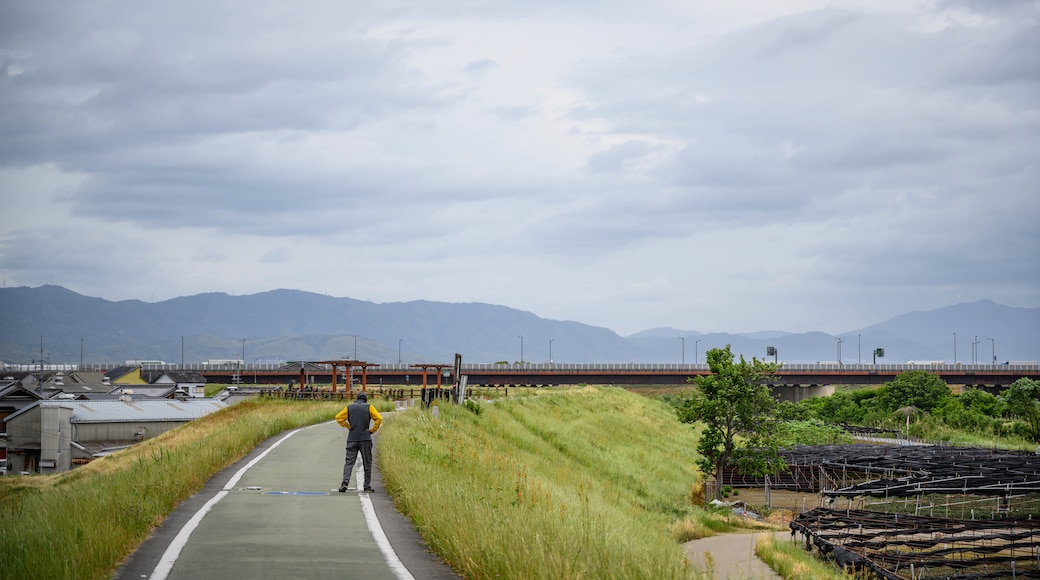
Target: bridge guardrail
568, 367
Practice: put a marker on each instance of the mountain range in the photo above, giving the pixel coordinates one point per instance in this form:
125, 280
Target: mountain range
57, 325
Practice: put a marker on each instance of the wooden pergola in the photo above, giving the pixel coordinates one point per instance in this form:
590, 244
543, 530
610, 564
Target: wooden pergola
349, 364
438, 367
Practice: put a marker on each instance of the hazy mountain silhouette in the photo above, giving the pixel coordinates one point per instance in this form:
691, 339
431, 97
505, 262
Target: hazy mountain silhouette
284, 325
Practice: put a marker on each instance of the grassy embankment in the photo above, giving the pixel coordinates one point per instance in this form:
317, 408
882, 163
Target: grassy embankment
82, 523
579, 483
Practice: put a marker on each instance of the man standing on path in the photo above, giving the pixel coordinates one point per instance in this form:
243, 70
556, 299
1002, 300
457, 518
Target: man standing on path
356, 417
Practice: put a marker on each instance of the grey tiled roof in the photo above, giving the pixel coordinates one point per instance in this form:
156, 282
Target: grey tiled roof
137, 410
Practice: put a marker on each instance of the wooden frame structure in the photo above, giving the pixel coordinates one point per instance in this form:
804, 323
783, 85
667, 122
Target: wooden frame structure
349, 364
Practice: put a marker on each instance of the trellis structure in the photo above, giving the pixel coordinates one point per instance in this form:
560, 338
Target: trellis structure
895, 546
882, 471
920, 479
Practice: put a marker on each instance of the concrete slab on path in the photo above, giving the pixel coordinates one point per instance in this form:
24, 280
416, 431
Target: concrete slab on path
282, 518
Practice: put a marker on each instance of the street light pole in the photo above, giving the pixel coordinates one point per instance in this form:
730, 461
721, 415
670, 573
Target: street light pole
243, 351
696, 352
182, 352
521, 350
81, 354
683, 339
550, 349
839, 348
355, 347
993, 343
955, 348
399, 350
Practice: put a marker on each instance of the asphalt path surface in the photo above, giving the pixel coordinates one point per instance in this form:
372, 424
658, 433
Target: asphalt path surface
732, 556
276, 514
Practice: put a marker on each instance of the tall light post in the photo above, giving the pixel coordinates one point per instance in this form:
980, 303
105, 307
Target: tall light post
859, 349
840, 340
696, 352
399, 341
182, 352
243, 351
683, 339
521, 350
993, 344
955, 348
550, 349
355, 347
81, 354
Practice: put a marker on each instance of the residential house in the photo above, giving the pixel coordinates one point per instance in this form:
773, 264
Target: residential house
193, 384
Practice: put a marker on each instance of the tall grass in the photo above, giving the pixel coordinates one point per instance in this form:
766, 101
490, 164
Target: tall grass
580, 483
82, 523
790, 560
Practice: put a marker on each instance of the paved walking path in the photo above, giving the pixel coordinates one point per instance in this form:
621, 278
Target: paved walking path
276, 514
733, 556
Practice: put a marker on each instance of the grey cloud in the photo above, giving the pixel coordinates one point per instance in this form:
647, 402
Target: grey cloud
990, 7
803, 32
823, 124
143, 105
615, 158
514, 114
478, 68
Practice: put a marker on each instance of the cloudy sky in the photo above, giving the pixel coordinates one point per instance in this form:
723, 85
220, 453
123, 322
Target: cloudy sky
710, 165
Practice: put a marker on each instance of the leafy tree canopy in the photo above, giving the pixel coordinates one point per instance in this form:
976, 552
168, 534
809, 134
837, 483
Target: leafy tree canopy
736, 408
1023, 400
920, 389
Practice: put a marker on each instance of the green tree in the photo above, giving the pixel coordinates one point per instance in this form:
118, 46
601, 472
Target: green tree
920, 389
986, 403
1023, 401
735, 406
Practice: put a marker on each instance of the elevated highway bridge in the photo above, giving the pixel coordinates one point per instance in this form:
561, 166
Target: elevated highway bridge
790, 375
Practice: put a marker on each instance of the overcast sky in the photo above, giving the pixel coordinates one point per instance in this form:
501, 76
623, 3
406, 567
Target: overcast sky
709, 165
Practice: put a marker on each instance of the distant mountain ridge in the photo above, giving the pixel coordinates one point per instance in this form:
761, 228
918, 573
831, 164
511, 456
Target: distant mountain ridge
284, 325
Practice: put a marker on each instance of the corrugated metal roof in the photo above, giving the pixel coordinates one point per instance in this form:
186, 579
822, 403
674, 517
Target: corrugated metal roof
140, 410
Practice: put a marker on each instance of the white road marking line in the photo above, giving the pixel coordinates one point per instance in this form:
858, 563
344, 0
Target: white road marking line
379, 536
395, 564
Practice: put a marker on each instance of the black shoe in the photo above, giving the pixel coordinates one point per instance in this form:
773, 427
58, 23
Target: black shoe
369, 489
343, 488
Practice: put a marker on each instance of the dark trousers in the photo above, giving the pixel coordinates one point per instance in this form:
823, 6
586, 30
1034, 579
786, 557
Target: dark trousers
365, 447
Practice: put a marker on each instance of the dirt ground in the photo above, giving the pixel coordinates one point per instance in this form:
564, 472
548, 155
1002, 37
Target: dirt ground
784, 505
